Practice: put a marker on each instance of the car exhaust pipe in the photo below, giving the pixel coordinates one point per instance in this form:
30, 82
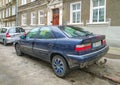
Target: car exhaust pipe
101, 62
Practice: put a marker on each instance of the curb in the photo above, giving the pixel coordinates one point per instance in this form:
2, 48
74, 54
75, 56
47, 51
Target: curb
114, 50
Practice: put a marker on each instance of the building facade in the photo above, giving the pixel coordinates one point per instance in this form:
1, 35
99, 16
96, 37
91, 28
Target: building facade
32, 13
7, 12
92, 12
40, 12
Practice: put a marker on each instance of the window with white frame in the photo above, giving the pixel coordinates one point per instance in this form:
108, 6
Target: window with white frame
33, 18
7, 1
0, 15
23, 2
13, 10
13, 23
98, 8
7, 12
24, 19
75, 12
3, 14
40, 17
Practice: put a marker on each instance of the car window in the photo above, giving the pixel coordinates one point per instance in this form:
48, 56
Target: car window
71, 31
12, 30
21, 29
32, 33
3, 30
45, 33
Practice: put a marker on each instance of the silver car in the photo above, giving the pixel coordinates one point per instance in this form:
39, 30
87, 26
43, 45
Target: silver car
10, 34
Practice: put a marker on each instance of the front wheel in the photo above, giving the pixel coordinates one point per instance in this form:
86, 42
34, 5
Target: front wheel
60, 66
18, 50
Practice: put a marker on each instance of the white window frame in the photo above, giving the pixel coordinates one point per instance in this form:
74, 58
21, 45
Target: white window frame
71, 11
7, 1
23, 2
3, 14
24, 19
0, 14
13, 10
98, 7
7, 12
32, 17
39, 16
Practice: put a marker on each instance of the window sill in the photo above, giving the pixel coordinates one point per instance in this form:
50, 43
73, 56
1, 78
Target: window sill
41, 24
32, 24
24, 25
95, 23
75, 24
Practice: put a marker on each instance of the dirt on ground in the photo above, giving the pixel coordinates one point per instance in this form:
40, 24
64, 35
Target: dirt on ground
26, 70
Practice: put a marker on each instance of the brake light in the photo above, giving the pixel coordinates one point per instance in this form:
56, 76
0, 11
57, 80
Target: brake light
24, 33
104, 42
82, 47
8, 35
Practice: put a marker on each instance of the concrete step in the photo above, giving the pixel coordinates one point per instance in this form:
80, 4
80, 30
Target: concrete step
114, 50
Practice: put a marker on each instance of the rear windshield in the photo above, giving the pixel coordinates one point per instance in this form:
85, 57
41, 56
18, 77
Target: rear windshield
12, 30
21, 29
16, 30
3, 30
72, 31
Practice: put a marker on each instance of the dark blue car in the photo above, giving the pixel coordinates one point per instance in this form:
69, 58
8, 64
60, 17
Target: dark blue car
65, 47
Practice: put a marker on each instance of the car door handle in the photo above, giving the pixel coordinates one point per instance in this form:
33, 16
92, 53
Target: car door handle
50, 45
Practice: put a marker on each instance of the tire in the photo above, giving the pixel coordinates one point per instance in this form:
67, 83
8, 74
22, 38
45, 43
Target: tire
60, 66
18, 50
4, 42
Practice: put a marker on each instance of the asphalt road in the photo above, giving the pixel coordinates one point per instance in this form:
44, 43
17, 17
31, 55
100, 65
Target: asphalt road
26, 70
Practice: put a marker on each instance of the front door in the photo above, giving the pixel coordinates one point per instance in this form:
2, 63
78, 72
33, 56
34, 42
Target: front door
55, 20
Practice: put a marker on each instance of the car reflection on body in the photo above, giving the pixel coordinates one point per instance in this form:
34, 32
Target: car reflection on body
65, 47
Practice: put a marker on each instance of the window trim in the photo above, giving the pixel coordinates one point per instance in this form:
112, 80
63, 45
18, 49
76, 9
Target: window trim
23, 2
13, 10
23, 18
91, 13
39, 17
71, 11
32, 18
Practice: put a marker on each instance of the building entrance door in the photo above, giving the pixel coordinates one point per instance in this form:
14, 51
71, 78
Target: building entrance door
55, 20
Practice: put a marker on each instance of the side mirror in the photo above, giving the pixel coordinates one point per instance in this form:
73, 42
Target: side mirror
23, 37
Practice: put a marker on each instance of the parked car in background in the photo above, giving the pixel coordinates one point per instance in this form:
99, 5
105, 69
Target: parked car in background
65, 47
10, 34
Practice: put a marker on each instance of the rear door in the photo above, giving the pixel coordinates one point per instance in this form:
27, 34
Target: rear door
28, 42
44, 43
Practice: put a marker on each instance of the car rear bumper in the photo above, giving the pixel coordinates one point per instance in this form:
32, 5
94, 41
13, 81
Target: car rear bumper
89, 58
11, 40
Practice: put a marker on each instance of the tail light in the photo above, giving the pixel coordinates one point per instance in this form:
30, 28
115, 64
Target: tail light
104, 42
8, 35
82, 47
24, 33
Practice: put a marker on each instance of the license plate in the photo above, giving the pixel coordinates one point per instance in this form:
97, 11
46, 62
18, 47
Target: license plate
97, 44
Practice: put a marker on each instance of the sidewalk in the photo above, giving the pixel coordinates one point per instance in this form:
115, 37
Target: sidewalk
114, 50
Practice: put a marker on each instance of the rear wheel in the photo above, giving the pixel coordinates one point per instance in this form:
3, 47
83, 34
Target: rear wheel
4, 42
60, 66
18, 50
